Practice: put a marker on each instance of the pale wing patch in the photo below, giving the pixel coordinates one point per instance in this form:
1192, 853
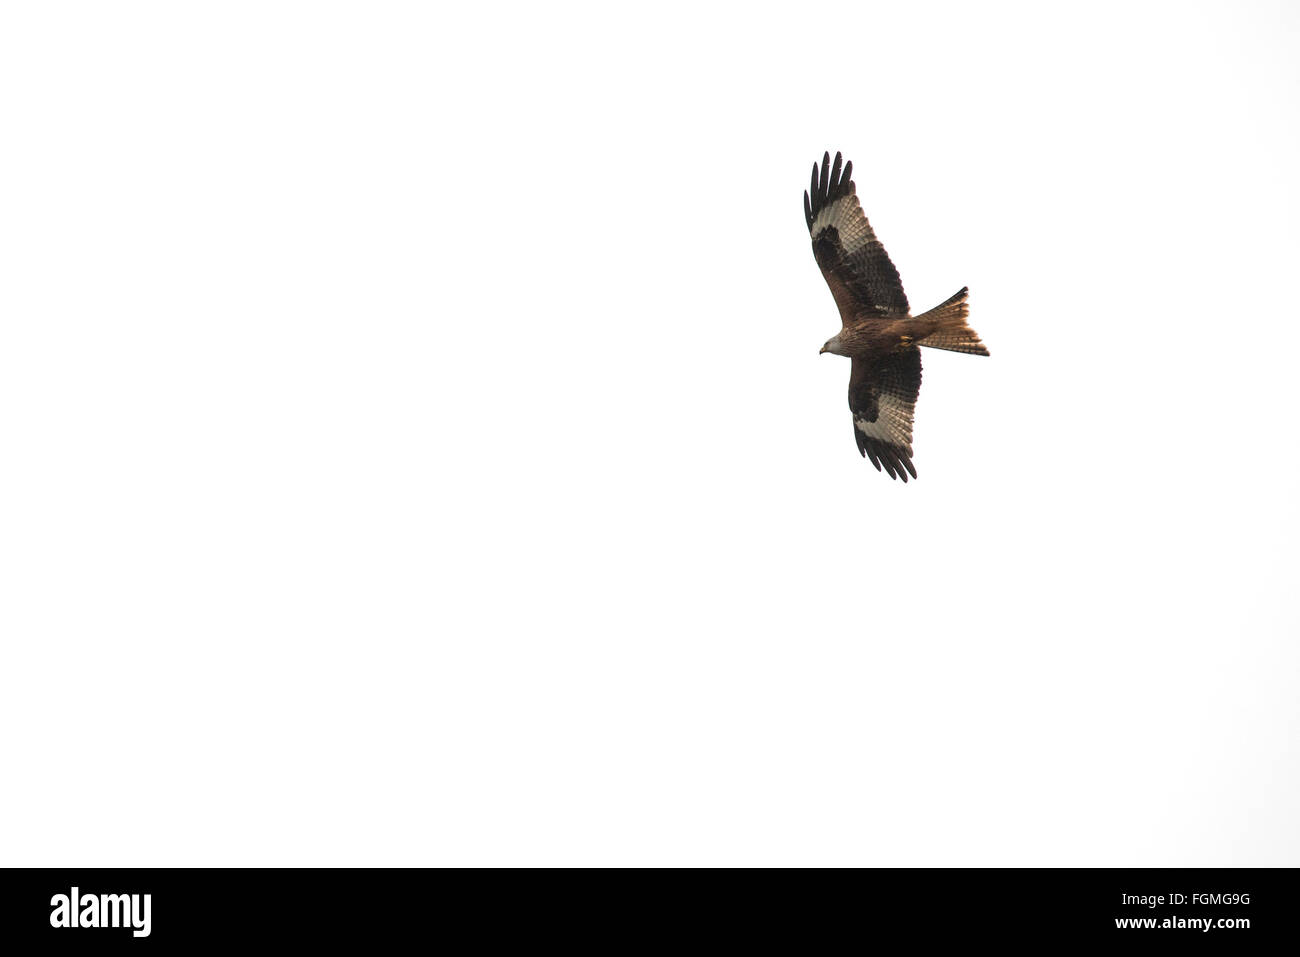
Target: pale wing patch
893, 423
845, 214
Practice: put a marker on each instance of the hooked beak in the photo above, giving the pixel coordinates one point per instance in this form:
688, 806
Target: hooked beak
821, 350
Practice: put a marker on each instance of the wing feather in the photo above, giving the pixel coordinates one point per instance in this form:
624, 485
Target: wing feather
882, 398
861, 276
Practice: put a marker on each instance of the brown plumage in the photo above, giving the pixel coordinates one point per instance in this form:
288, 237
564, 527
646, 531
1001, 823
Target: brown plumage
878, 330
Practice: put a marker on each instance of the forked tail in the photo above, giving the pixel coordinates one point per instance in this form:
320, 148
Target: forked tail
951, 331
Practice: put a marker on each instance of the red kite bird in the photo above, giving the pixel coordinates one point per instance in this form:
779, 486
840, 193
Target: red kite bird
879, 332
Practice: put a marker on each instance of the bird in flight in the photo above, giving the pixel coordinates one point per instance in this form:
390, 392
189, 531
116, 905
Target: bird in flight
879, 332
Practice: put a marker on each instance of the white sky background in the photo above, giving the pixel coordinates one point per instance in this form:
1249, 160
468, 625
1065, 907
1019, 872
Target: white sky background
416, 448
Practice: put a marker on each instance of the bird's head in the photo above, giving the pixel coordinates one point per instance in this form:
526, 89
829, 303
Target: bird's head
833, 346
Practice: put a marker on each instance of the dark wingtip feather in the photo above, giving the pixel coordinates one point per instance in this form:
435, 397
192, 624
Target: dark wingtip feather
894, 461
891, 462
807, 209
829, 182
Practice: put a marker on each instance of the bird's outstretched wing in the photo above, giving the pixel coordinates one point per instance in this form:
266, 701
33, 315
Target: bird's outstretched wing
862, 279
882, 397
